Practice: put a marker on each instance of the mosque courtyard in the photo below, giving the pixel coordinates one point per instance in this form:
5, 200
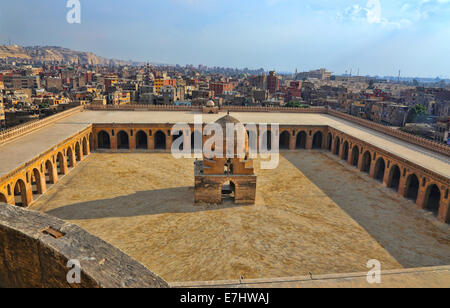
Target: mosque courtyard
313, 214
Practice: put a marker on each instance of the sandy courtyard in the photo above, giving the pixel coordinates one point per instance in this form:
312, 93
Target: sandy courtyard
313, 214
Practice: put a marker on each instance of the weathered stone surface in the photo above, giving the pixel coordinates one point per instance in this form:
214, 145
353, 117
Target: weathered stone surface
30, 258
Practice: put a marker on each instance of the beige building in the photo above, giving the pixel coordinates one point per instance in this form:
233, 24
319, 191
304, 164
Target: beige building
22, 82
321, 74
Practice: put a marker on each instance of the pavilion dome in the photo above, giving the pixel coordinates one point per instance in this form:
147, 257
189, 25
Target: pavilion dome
227, 119
239, 131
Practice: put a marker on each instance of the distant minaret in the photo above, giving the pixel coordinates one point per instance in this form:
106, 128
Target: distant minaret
399, 72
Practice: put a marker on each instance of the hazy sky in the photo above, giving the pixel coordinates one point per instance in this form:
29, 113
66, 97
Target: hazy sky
376, 36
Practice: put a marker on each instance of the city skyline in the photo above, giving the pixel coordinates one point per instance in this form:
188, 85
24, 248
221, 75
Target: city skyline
374, 37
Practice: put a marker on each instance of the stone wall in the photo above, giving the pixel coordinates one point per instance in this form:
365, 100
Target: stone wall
136, 107
30, 257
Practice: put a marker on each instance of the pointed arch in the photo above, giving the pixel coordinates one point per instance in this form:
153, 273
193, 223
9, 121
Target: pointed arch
355, 156
317, 140
197, 142
284, 140
366, 162
432, 199
412, 187
123, 141
345, 148
267, 137
85, 147
49, 173
394, 178
3, 198
103, 140
77, 151
330, 141
20, 193
301, 140
380, 169
91, 142
60, 164
160, 140
70, 158
36, 182
141, 140
179, 134
337, 145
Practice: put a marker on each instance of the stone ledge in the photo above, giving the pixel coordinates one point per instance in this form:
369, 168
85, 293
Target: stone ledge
332, 280
31, 258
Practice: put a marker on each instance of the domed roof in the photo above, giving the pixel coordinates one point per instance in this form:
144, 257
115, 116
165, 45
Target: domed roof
227, 119
210, 104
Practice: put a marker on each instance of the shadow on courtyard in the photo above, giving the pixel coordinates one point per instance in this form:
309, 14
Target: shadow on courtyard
142, 203
395, 223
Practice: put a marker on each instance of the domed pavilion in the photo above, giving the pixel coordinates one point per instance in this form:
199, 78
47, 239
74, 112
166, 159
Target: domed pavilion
229, 176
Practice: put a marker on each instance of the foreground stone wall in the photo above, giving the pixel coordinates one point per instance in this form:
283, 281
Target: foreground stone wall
31, 258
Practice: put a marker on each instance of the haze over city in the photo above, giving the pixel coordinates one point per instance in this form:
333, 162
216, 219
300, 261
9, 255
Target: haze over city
375, 37
190, 145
